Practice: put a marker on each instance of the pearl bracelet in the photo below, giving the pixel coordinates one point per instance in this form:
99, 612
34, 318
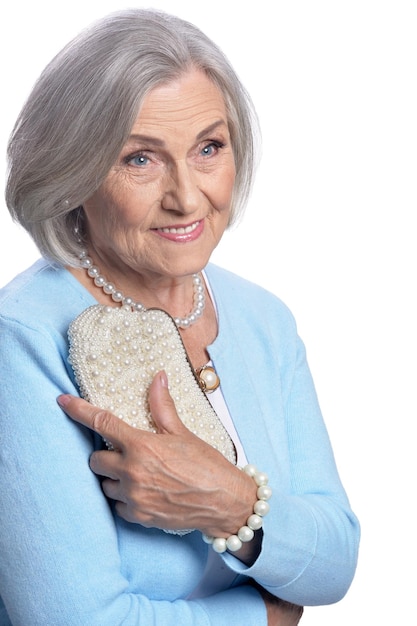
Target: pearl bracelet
254, 522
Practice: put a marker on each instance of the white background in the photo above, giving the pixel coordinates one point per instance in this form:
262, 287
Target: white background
329, 229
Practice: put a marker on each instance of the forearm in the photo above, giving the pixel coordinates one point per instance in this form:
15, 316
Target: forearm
65, 559
308, 554
58, 529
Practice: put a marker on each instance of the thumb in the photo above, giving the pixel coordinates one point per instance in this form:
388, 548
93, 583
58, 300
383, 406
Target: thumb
162, 406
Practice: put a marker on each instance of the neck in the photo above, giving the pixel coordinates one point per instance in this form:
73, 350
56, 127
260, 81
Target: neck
174, 299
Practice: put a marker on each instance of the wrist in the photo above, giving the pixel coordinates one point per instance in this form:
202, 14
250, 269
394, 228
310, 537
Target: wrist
253, 523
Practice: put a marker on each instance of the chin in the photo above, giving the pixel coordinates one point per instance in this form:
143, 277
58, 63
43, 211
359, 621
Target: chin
186, 266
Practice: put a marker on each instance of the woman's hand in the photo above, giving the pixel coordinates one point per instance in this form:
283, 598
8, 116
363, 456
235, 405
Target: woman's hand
171, 479
279, 612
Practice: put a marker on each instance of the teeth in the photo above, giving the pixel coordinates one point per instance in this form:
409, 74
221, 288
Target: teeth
180, 231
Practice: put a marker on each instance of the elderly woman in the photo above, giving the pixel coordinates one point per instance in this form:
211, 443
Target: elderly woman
132, 155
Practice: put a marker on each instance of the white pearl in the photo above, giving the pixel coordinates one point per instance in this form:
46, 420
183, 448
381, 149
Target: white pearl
108, 288
250, 469
261, 478
261, 508
254, 522
93, 271
219, 545
117, 296
209, 377
245, 534
233, 543
264, 492
99, 281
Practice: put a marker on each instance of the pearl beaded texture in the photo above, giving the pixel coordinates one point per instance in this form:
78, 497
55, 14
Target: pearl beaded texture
254, 522
118, 296
115, 353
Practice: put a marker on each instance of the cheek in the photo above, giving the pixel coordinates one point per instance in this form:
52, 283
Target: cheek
227, 184
123, 207
222, 185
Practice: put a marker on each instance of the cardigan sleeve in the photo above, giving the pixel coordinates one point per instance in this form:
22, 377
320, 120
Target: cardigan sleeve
311, 535
60, 563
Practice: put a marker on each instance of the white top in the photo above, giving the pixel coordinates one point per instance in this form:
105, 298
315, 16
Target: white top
219, 405
217, 574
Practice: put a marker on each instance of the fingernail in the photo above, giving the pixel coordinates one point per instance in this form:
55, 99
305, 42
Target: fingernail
163, 378
63, 400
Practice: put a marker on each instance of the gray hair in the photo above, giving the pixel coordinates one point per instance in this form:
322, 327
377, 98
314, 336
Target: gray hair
81, 111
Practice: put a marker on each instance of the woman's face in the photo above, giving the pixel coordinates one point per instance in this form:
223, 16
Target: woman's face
165, 203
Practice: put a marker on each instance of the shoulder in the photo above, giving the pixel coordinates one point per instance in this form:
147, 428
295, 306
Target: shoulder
43, 295
246, 298
34, 279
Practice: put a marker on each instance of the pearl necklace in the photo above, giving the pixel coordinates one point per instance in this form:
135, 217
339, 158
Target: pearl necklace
118, 296
207, 376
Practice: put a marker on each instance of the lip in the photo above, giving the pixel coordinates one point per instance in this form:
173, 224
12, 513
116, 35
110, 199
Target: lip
181, 233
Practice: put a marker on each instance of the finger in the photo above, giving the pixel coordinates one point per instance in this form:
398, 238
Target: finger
122, 510
102, 422
162, 406
106, 463
112, 490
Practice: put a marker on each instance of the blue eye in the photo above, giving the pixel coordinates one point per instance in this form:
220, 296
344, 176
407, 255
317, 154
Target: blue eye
139, 160
207, 150
211, 148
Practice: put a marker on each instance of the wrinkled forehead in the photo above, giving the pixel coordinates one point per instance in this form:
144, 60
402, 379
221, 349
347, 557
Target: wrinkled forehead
191, 103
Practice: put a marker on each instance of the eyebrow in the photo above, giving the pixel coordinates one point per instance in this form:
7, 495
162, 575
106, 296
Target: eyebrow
210, 128
159, 142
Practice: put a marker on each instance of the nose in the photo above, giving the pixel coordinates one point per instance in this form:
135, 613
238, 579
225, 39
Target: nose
182, 193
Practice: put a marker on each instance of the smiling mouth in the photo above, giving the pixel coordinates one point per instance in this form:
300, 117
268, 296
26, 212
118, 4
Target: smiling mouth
179, 230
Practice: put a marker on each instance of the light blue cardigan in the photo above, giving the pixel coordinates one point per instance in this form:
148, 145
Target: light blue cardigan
66, 560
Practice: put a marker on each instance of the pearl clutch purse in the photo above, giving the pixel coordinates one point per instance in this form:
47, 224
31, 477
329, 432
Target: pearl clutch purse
115, 354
